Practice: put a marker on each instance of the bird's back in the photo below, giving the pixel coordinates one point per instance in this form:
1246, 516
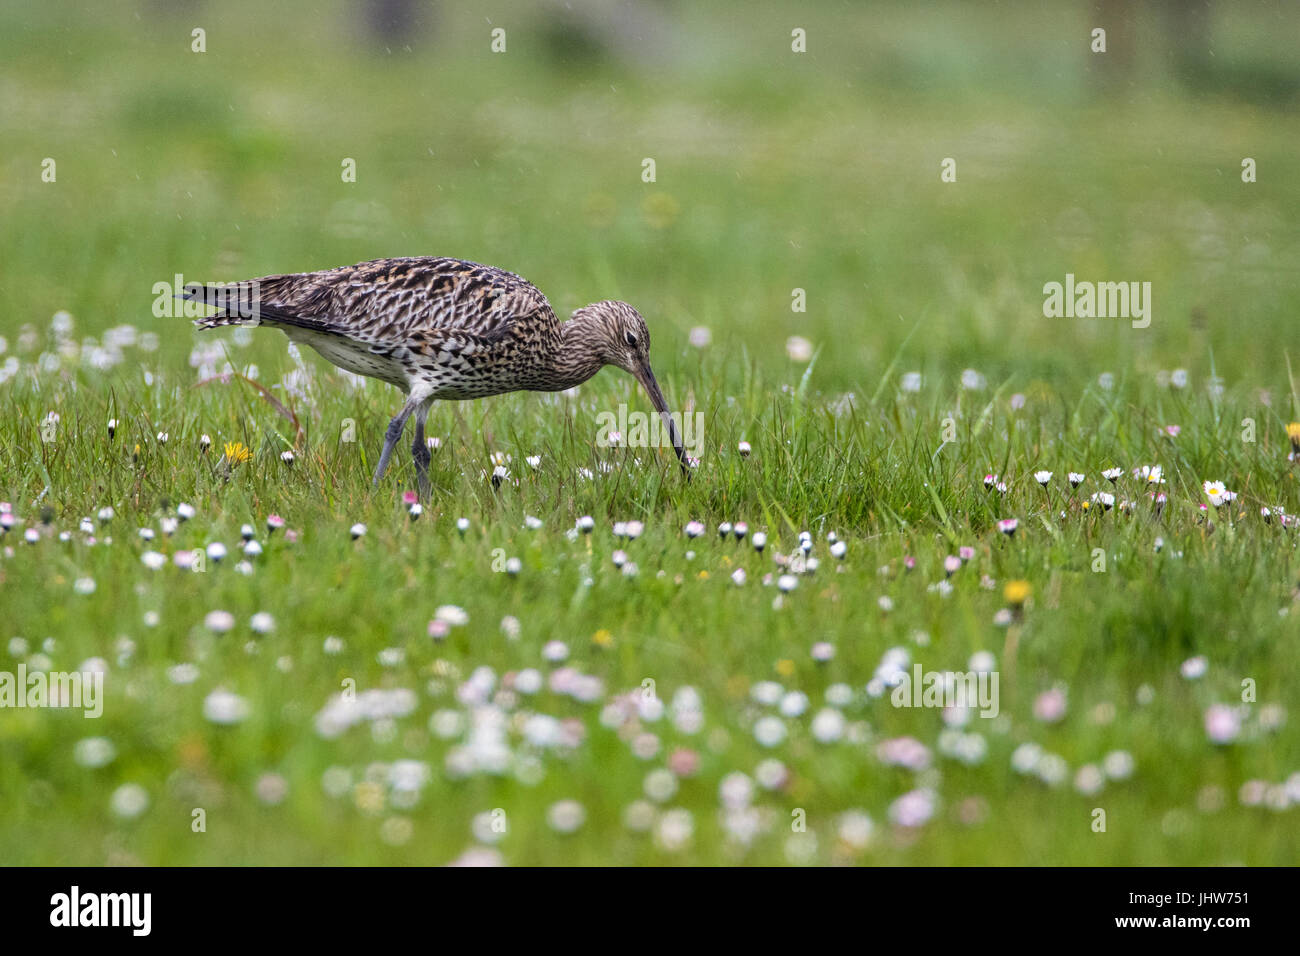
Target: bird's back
460, 326
389, 300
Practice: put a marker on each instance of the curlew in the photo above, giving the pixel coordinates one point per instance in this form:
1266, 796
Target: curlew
441, 329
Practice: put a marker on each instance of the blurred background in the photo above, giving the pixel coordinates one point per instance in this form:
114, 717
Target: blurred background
774, 170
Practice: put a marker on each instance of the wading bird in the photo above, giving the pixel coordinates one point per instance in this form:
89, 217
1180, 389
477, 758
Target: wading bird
441, 329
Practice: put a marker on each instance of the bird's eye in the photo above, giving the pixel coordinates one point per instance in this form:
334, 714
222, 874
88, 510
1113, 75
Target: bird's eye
630, 339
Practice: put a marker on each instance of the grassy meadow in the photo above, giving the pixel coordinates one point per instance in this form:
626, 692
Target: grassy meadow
486, 682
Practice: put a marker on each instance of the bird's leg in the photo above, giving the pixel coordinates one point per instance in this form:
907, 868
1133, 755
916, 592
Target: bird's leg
420, 451
391, 436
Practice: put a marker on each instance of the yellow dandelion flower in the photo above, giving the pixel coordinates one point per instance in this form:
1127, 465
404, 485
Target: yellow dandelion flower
785, 667
237, 453
704, 575
1293, 433
603, 638
1017, 592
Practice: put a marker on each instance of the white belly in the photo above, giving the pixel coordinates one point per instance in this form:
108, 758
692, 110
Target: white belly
352, 356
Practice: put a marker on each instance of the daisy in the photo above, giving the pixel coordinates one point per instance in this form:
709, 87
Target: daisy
1042, 477
1111, 474
744, 449
1216, 492
1008, 526
1076, 479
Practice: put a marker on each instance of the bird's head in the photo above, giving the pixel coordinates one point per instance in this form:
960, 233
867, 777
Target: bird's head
623, 340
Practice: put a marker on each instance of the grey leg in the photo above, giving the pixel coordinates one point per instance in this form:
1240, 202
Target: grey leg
391, 437
420, 451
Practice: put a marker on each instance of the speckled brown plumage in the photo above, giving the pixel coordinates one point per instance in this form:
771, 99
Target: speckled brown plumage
439, 328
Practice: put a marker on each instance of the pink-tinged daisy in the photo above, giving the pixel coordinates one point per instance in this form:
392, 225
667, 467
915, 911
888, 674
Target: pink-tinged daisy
965, 552
909, 562
1222, 724
273, 522
1049, 706
1172, 430
989, 481
1008, 526
694, 529
914, 808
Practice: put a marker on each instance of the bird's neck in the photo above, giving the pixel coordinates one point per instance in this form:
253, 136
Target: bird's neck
579, 355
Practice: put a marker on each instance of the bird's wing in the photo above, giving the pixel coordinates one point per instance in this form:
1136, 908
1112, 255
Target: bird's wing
389, 304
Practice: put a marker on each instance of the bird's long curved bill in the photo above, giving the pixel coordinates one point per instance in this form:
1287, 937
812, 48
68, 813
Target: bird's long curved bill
651, 386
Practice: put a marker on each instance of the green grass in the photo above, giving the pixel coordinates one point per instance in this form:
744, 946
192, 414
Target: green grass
774, 173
